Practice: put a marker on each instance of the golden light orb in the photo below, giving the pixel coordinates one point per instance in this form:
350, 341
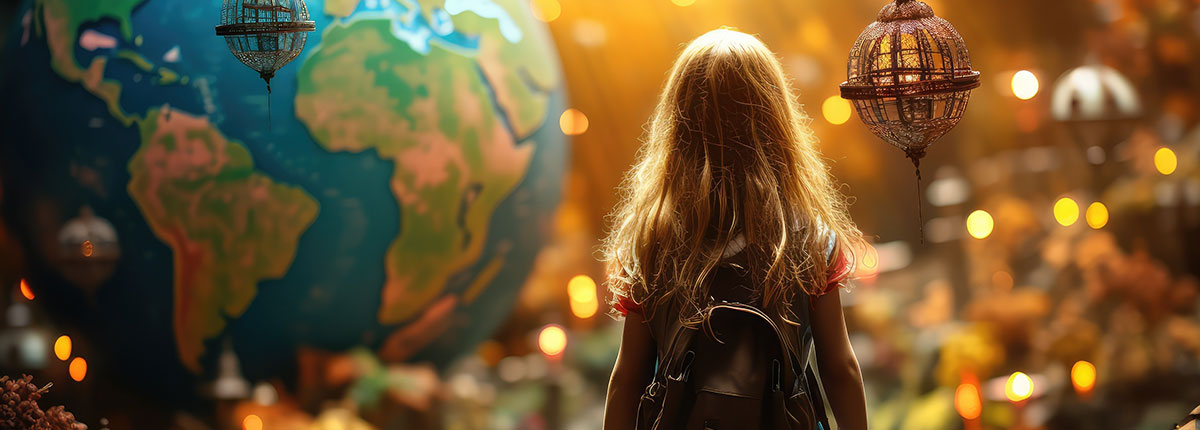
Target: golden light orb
252, 422
62, 347
683, 3
1019, 387
1083, 376
1096, 215
837, 110
573, 122
552, 340
967, 401
980, 224
26, 291
581, 290
545, 10
1165, 161
1066, 211
1024, 85
78, 369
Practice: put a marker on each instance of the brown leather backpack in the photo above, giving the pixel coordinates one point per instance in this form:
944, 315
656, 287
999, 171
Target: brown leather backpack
739, 368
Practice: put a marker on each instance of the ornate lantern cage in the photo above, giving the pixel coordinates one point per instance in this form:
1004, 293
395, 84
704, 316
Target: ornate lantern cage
909, 78
265, 34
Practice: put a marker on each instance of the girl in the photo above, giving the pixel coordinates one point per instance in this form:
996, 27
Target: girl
730, 176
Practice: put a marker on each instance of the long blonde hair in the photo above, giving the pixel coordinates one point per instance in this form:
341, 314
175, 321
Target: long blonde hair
728, 151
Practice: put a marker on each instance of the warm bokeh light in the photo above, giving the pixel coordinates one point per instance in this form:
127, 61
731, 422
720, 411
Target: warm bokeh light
1083, 376
1002, 280
1096, 215
1019, 387
967, 401
252, 422
980, 224
62, 347
26, 291
86, 248
1165, 161
545, 10
870, 258
581, 290
585, 309
1066, 211
1024, 85
683, 3
552, 340
836, 109
78, 369
573, 122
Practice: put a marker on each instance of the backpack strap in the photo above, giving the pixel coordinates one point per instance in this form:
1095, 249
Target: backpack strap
786, 349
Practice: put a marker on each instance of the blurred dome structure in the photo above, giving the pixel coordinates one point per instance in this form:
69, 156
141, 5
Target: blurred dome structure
1098, 105
1094, 93
88, 249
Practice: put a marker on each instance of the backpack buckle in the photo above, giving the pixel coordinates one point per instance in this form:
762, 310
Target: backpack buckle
652, 389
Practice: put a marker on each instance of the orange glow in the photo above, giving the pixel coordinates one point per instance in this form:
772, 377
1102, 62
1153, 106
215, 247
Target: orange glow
1165, 161
980, 224
252, 422
837, 110
1083, 376
1019, 387
1096, 215
967, 401
1066, 211
552, 340
1024, 85
585, 310
582, 293
1002, 280
573, 122
78, 369
546, 10
868, 263
25, 290
62, 347
86, 248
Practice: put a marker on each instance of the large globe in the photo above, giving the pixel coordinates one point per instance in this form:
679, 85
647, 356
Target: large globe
391, 192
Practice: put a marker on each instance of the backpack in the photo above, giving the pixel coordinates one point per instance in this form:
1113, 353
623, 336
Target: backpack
739, 368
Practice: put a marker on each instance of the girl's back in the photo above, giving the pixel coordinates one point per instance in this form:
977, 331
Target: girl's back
729, 176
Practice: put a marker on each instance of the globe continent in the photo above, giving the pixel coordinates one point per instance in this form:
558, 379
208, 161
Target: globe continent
389, 192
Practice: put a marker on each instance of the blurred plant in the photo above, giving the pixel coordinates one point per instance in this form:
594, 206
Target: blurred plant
973, 350
19, 409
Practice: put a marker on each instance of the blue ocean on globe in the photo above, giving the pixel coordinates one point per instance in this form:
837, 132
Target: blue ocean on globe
394, 196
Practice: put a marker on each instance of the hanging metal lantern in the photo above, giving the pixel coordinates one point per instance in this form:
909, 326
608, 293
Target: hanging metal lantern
909, 77
265, 34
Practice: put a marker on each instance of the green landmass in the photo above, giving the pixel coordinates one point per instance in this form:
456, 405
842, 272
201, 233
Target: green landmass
228, 225
340, 8
135, 58
167, 76
522, 74
60, 21
455, 160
